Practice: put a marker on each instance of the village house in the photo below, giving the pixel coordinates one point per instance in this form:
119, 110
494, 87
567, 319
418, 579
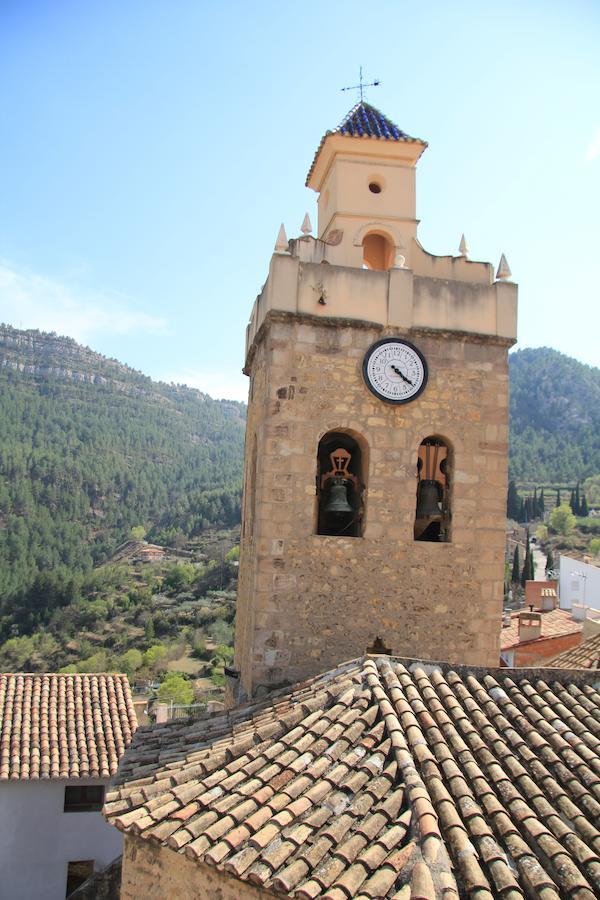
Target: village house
61, 739
579, 582
383, 778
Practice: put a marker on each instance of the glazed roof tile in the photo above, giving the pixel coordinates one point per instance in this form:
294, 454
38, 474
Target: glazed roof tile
365, 121
555, 623
64, 726
384, 778
584, 656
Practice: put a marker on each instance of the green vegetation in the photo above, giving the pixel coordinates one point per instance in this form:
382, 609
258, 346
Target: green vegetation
138, 618
91, 453
562, 520
554, 417
176, 688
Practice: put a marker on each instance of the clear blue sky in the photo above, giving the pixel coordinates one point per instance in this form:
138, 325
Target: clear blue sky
150, 150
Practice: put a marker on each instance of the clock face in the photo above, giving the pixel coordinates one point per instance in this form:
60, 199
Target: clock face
395, 371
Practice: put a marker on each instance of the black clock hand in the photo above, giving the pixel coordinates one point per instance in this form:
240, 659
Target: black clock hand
403, 377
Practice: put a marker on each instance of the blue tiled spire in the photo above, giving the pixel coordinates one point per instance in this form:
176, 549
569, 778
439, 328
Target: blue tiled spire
364, 120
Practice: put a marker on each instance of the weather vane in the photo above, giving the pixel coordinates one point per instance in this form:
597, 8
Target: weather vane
361, 86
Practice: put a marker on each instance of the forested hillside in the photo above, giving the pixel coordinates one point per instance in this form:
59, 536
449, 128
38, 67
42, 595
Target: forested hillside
90, 448
554, 417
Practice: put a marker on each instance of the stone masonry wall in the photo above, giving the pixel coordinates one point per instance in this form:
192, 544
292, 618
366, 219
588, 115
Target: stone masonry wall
158, 873
307, 602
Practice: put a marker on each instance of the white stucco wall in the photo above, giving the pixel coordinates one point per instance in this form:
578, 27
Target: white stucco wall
579, 583
38, 839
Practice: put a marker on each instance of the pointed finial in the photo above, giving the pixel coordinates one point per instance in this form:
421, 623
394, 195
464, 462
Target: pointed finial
281, 244
306, 227
463, 247
503, 269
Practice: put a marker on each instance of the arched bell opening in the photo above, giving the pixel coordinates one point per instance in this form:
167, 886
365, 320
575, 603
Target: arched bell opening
433, 514
340, 485
378, 251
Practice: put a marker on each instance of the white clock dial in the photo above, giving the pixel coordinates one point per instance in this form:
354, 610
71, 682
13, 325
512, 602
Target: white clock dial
395, 371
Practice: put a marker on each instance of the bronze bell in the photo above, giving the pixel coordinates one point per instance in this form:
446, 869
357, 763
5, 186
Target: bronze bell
428, 499
337, 503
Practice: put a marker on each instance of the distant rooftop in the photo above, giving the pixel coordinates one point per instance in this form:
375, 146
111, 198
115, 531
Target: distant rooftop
555, 623
584, 656
64, 726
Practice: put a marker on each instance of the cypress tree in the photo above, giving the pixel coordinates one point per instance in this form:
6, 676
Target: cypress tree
527, 564
584, 508
577, 509
572, 501
542, 504
549, 561
534, 504
512, 501
557, 497
516, 566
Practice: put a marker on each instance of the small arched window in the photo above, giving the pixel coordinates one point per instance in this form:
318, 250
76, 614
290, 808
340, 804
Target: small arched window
432, 517
340, 485
378, 252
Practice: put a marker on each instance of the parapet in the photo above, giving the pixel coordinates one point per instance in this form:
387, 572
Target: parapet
434, 296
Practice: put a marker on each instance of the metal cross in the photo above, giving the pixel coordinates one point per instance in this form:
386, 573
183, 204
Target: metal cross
361, 86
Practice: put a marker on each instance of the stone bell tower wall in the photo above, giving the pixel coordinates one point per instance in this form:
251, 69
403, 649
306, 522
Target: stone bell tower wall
307, 601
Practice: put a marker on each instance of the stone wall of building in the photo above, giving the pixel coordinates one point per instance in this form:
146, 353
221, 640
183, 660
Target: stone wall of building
157, 873
307, 601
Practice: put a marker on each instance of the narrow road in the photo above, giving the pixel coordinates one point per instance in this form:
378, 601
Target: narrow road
539, 560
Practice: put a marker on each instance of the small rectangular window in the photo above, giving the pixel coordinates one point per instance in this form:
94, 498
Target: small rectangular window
84, 798
77, 873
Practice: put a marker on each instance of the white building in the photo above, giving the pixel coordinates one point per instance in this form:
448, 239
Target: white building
579, 583
61, 739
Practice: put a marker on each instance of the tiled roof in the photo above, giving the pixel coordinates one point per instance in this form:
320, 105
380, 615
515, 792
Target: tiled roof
364, 121
555, 623
584, 656
64, 726
384, 778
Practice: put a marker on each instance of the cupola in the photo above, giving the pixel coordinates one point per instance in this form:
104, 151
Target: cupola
364, 173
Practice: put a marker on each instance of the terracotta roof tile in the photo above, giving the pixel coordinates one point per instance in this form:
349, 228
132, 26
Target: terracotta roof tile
584, 656
416, 781
64, 726
555, 623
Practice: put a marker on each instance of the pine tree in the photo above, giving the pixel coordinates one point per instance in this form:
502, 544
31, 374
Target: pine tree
516, 567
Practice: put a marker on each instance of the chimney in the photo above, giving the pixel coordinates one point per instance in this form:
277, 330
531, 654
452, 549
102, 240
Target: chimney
506, 620
548, 599
530, 625
579, 612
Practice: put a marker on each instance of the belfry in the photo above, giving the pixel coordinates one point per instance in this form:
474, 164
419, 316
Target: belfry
377, 434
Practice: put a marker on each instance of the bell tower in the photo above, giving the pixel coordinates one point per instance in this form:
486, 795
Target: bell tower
377, 434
